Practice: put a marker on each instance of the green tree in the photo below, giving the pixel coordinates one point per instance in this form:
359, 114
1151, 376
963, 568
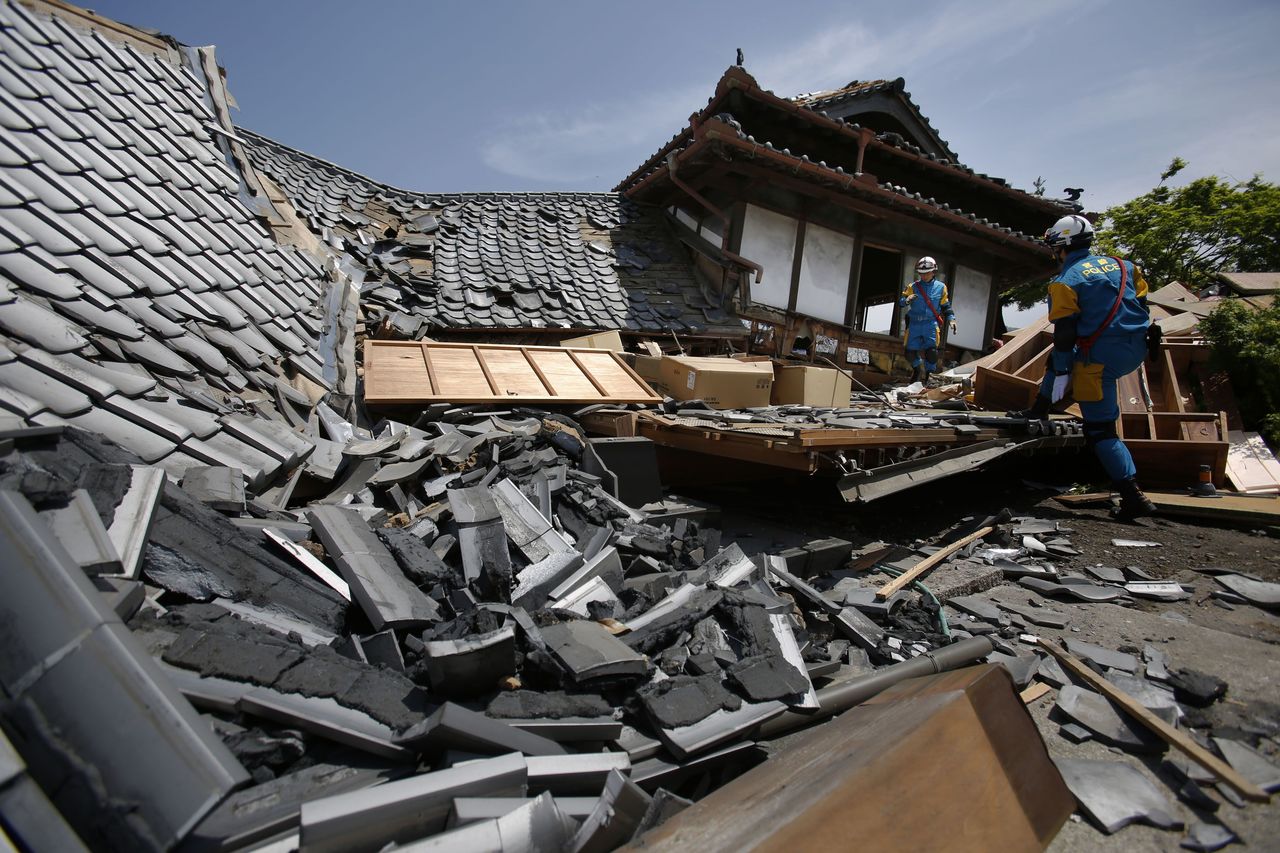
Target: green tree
1246, 343
1188, 233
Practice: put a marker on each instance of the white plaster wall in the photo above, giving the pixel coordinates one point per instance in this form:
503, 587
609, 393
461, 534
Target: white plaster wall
970, 295
769, 239
824, 274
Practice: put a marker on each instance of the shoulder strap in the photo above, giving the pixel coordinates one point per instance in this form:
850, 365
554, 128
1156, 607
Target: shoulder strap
1086, 343
932, 310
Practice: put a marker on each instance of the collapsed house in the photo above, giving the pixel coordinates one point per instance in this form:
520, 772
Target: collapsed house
241, 610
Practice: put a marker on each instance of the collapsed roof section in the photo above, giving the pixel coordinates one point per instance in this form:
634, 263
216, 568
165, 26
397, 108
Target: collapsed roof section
144, 291
749, 132
496, 261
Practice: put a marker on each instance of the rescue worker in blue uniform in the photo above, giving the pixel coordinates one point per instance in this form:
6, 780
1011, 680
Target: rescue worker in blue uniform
1098, 306
928, 309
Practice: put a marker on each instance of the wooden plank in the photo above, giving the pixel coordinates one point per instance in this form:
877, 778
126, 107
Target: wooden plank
608, 371
1090, 499
484, 368
1178, 740
928, 563
1018, 349
1173, 399
403, 370
431, 370
1035, 367
566, 376
997, 391
1251, 467
414, 372
458, 374
542, 377
513, 374
1176, 464
595, 383
1034, 692
1245, 509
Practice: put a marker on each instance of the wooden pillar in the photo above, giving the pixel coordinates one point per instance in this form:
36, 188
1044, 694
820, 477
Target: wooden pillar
796, 260
855, 278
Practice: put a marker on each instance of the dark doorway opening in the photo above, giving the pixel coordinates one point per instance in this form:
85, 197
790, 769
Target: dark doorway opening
878, 286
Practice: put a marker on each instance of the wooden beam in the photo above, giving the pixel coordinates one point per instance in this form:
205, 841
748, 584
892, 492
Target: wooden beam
855, 277
431, 369
1178, 740
542, 377
928, 563
488, 377
797, 259
878, 212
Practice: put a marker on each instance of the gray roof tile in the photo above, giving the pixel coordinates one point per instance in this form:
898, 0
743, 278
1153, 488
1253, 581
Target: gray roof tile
147, 445
156, 356
37, 325
81, 371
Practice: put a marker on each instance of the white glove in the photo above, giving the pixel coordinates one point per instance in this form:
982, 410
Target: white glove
953, 327
1060, 383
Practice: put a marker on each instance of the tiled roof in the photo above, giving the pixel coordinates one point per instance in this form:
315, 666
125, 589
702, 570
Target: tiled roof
140, 297
854, 88
864, 89
804, 106
725, 130
495, 260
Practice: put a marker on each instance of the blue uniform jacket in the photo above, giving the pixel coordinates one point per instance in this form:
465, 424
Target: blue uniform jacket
918, 313
1086, 290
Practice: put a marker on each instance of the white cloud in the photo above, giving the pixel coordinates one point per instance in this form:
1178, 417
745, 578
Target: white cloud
606, 141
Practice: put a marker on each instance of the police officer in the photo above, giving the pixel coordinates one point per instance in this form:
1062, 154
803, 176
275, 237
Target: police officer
1098, 306
928, 309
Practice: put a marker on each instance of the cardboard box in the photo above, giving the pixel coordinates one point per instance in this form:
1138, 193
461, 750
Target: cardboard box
649, 368
810, 386
600, 340
723, 383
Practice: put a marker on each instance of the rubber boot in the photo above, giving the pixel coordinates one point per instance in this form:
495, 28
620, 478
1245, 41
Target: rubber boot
918, 373
1039, 410
1133, 503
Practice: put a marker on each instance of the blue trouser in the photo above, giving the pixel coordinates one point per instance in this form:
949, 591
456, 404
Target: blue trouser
922, 344
1120, 354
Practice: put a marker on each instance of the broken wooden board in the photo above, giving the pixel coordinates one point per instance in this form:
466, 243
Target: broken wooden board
1245, 509
1170, 735
999, 391
1251, 467
872, 775
415, 372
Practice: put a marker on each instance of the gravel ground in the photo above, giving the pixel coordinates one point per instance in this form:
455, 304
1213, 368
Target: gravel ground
1237, 643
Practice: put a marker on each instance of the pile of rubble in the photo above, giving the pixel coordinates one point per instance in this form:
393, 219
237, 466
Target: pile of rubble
463, 589
455, 631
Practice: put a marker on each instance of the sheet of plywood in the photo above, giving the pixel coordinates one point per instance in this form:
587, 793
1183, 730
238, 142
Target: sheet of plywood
1250, 509
410, 372
1251, 466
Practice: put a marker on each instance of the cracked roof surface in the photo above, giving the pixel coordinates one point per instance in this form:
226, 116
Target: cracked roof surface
566, 260
140, 297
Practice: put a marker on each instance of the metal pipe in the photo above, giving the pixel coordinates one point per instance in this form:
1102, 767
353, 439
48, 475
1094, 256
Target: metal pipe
839, 698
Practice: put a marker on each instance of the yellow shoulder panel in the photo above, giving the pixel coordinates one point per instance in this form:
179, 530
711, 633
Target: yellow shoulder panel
1062, 301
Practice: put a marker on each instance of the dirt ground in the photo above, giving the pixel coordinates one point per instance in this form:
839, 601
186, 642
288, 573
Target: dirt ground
1237, 643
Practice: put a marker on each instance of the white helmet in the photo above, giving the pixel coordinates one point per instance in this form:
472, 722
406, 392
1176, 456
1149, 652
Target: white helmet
926, 264
1069, 232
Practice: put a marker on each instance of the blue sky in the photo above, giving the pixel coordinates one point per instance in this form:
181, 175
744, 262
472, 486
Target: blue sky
455, 96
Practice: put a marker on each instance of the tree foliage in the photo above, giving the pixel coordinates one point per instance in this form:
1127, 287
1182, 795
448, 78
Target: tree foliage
1246, 343
1187, 233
